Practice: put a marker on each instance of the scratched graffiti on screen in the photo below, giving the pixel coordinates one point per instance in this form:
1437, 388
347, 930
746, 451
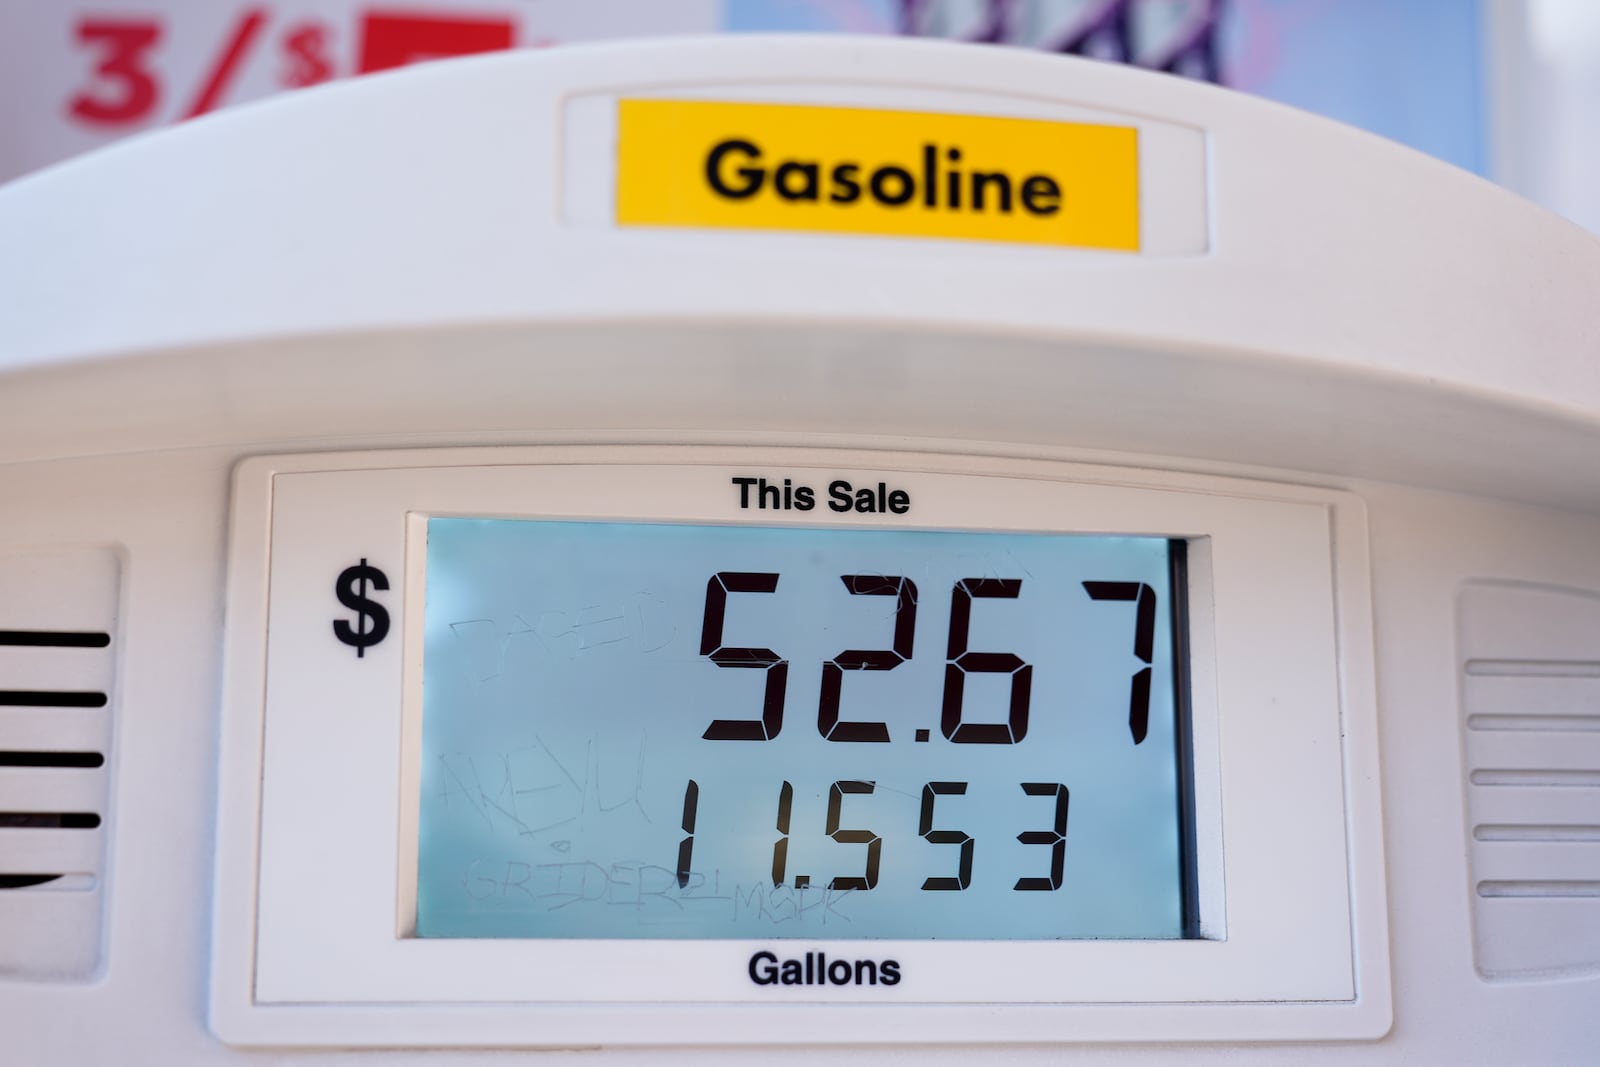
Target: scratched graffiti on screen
640, 624
537, 792
651, 893
536, 800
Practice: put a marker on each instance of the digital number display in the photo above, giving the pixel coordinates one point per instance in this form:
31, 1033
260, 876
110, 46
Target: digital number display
638, 730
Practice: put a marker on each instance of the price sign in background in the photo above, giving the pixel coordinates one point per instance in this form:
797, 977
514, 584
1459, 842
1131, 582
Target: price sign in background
77, 75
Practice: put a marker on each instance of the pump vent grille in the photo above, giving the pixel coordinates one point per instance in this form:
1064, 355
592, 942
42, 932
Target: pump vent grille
58, 613
1530, 696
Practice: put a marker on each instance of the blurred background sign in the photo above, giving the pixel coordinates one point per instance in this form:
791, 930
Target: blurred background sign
77, 74
1509, 89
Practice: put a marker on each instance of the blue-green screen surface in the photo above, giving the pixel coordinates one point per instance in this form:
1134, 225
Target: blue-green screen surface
570, 676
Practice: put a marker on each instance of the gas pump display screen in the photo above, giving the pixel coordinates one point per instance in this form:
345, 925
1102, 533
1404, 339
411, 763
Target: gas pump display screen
636, 730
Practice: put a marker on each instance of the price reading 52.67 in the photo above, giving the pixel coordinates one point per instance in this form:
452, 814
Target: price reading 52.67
961, 660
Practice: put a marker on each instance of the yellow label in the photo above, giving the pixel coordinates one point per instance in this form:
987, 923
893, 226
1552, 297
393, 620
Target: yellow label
699, 163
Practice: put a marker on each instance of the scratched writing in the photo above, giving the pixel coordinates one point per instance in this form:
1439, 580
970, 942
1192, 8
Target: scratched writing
546, 792
638, 625
651, 891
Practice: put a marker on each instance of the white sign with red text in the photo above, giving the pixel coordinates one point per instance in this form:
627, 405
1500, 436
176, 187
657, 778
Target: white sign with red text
76, 75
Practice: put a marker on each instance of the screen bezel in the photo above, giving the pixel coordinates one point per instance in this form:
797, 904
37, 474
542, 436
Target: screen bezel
1285, 936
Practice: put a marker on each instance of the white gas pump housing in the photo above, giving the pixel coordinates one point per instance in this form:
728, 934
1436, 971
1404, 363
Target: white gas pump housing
669, 325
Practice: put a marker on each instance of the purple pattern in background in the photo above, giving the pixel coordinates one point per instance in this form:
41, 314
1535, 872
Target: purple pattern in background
1176, 36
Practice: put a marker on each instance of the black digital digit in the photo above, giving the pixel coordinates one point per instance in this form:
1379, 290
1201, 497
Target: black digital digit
691, 804
777, 668
905, 625
873, 842
1056, 837
1144, 641
780, 847
962, 662
963, 876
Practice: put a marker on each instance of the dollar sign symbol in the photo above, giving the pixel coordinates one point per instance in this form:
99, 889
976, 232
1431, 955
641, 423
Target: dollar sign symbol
306, 49
351, 589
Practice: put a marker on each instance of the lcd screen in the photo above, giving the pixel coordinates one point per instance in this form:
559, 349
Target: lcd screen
636, 730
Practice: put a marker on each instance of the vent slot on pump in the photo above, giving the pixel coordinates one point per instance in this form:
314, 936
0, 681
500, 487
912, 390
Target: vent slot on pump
58, 614
1530, 716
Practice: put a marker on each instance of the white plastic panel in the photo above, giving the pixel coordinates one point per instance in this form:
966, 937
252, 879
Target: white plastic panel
170, 510
1329, 248
1363, 319
1286, 858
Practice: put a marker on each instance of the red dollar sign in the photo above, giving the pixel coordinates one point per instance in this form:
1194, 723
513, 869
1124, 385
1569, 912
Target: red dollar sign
305, 48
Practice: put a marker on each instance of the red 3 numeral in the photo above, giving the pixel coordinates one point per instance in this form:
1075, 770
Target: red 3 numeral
124, 88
